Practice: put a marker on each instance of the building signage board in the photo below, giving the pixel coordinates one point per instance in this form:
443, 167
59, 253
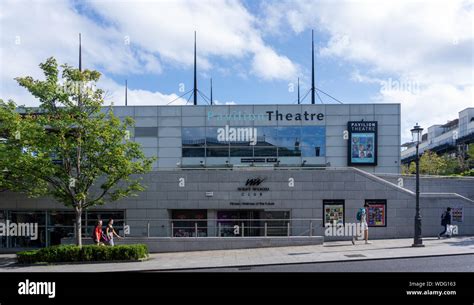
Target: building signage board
254, 185
457, 214
333, 212
377, 212
362, 145
258, 203
269, 116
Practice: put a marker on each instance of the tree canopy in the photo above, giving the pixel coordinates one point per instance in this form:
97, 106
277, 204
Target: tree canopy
71, 147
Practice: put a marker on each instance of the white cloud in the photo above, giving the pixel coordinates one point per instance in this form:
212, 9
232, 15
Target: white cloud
115, 94
428, 44
224, 28
436, 104
130, 37
217, 102
269, 65
33, 31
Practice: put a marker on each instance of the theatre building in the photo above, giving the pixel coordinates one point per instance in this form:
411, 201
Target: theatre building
259, 175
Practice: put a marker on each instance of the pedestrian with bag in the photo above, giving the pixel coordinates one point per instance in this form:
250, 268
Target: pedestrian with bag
446, 223
110, 232
97, 234
362, 219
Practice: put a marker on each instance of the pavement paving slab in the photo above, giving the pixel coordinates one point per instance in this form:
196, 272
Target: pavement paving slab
333, 251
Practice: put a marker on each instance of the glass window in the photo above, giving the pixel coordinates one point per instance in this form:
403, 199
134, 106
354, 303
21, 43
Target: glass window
38, 217
62, 218
3, 219
288, 136
277, 222
193, 136
217, 151
58, 233
312, 151
192, 152
146, 132
93, 216
313, 141
184, 223
294, 151
248, 221
211, 137
241, 151
290, 141
61, 225
266, 136
28, 242
265, 151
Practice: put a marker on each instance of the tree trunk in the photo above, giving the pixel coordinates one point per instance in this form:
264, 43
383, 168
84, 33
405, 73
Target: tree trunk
78, 226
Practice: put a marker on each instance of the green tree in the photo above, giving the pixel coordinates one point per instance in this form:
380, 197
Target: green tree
70, 148
470, 154
453, 165
432, 164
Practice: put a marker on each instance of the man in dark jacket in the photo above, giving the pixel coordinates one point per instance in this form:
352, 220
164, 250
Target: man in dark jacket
445, 221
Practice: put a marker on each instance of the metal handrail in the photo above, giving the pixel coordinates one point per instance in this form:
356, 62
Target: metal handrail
218, 219
199, 227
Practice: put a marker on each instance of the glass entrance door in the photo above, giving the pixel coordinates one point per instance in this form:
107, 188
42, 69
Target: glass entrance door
234, 223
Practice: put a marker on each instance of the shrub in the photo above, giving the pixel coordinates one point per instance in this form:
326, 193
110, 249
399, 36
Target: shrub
88, 253
468, 173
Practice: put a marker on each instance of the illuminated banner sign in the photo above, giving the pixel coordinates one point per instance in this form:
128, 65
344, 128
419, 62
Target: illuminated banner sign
362, 146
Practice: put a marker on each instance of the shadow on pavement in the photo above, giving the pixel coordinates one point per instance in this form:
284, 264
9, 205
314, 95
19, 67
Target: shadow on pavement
461, 243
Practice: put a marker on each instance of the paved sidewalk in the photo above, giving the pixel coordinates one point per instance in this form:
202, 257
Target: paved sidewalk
329, 252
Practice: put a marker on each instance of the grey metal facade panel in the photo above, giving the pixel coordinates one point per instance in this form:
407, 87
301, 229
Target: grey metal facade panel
303, 201
148, 142
146, 121
164, 132
146, 111
169, 142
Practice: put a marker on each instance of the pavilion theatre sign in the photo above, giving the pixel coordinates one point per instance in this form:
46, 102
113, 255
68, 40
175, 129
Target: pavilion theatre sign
269, 116
362, 145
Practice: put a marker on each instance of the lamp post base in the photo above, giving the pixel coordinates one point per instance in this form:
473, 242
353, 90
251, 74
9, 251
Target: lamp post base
418, 245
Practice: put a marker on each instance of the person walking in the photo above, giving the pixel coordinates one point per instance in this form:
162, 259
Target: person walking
446, 223
362, 219
110, 232
97, 233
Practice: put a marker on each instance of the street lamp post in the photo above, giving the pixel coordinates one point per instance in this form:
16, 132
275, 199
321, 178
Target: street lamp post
416, 133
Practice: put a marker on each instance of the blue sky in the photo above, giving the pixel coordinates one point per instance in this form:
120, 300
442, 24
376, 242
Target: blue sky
417, 53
